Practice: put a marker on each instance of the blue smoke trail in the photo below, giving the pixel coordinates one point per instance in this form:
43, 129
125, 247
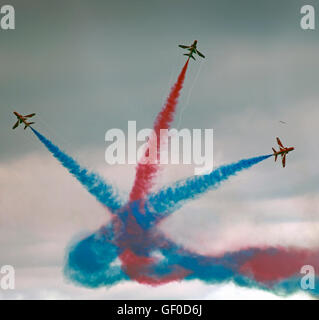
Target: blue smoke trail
173, 197
102, 191
90, 263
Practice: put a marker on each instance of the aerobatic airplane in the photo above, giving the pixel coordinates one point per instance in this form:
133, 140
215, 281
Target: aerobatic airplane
283, 151
23, 119
192, 50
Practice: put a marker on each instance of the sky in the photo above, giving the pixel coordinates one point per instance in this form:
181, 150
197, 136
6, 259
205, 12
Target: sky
88, 66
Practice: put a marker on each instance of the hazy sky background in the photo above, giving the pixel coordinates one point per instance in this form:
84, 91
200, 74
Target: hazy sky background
87, 66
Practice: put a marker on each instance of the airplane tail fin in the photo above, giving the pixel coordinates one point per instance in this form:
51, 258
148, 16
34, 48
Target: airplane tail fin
28, 124
275, 154
189, 55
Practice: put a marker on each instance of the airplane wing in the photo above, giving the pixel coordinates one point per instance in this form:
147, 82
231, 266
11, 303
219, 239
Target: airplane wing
200, 54
182, 46
279, 142
30, 115
16, 124
284, 161
189, 55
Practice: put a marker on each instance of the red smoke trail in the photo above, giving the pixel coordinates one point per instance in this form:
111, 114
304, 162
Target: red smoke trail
147, 166
268, 267
140, 269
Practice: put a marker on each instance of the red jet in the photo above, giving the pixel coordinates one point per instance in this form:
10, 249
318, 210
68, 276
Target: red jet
282, 151
192, 50
22, 119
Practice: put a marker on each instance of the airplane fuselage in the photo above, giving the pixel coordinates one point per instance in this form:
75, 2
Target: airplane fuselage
21, 118
284, 151
193, 47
